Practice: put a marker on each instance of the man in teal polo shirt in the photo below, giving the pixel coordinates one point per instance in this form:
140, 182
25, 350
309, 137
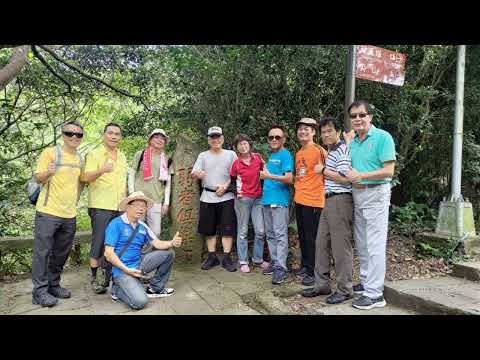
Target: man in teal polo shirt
373, 163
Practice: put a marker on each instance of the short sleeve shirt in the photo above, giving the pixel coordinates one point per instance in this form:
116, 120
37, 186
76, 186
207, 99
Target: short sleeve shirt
63, 186
217, 167
117, 234
338, 160
276, 192
369, 155
109, 189
248, 176
309, 186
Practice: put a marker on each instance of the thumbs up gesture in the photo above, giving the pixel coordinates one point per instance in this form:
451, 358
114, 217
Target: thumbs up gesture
319, 168
107, 167
177, 240
348, 136
264, 174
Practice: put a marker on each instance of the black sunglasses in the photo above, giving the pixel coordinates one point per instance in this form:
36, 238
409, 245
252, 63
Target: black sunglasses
214, 136
71, 133
276, 137
361, 115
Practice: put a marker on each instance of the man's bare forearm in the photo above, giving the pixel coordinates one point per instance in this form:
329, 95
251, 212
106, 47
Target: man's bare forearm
43, 177
114, 259
335, 176
92, 175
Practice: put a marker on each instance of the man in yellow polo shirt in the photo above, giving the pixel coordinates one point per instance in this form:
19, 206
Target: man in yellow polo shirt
58, 170
106, 172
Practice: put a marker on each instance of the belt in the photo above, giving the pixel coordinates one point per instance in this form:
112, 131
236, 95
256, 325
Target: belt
365, 186
329, 195
211, 190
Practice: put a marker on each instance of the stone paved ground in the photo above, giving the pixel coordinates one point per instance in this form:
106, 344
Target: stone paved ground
197, 293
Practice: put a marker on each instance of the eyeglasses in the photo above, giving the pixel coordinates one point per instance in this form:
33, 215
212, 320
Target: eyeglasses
71, 134
360, 115
276, 137
214, 136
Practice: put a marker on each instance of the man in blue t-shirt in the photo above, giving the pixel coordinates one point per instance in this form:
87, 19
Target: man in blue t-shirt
130, 265
278, 176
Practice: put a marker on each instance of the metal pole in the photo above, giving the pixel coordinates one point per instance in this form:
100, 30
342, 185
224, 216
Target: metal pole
458, 127
349, 86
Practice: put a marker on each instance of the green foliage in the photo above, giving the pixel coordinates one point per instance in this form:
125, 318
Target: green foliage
243, 89
413, 218
16, 261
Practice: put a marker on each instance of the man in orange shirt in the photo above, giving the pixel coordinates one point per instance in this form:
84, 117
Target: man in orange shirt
309, 194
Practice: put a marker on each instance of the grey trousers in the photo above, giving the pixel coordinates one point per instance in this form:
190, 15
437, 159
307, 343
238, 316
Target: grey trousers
53, 242
131, 291
335, 236
370, 231
276, 228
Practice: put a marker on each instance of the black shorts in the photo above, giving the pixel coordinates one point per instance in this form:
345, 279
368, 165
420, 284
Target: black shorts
100, 218
215, 217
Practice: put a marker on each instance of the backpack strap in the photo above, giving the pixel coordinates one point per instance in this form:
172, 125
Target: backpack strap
58, 161
129, 242
140, 160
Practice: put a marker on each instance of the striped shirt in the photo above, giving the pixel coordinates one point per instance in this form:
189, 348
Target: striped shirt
338, 160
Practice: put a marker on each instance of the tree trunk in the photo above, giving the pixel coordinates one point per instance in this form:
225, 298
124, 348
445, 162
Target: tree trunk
15, 65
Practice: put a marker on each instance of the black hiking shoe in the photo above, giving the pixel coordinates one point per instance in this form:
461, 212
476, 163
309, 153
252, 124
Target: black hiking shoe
210, 262
308, 280
300, 272
316, 291
45, 300
358, 289
59, 292
279, 276
338, 298
228, 264
96, 288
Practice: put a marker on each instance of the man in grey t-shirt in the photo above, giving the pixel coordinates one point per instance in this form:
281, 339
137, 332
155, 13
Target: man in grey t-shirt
217, 201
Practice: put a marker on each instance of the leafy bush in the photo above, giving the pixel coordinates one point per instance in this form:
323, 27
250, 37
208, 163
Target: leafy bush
413, 218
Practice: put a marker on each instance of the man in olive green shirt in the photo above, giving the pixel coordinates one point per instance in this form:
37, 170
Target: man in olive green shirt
151, 172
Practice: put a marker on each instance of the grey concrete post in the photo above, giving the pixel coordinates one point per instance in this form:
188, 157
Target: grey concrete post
458, 127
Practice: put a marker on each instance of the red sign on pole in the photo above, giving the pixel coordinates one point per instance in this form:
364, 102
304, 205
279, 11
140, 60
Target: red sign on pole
377, 64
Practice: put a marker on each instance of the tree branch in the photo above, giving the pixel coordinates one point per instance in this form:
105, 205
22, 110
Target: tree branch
18, 118
28, 152
88, 76
14, 66
47, 65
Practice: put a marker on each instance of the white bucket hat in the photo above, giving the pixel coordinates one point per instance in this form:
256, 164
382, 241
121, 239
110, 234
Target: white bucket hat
159, 131
137, 195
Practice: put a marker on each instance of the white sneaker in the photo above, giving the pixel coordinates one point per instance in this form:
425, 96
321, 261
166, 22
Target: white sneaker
159, 294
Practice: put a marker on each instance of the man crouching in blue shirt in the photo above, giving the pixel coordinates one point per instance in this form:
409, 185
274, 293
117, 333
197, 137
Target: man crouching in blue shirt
129, 264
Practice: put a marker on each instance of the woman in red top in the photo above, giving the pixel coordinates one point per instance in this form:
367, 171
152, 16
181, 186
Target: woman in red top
245, 175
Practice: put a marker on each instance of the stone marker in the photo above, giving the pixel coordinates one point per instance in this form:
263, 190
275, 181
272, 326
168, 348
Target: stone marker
186, 201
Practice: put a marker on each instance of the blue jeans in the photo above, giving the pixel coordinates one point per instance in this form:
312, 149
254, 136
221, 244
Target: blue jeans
131, 291
245, 208
276, 227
